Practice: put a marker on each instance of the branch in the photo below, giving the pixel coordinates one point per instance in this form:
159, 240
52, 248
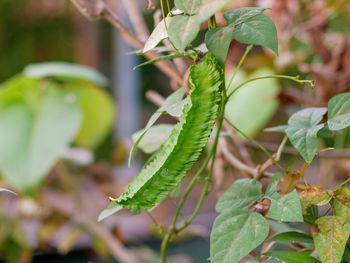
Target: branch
96, 9
235, 162
57, 203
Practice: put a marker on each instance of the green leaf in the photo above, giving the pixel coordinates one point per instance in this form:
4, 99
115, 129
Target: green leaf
98, 111
235, 234
35, 129
66, 71
302, 130
190, 7
241, 15
292, 237
251, 108
158, 34
286, 208
293, 257
339, 112
218, 41
258, 30
330, 241
172, 105
111, 209
242, 194
153, 138
271, 189
183, 29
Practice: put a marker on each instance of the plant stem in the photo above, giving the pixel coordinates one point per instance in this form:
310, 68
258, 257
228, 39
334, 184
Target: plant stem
295, 79
240, 63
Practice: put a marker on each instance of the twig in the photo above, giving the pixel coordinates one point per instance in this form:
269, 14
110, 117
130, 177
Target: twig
96, 9
235, 162
272, 160
115, 246
295, 79
135, 17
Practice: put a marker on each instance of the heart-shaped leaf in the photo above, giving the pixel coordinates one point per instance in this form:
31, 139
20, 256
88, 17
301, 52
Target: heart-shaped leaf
302, 130
235, 234
66, 71
242, 194
183, 29
339, 112
35, 128
285, 208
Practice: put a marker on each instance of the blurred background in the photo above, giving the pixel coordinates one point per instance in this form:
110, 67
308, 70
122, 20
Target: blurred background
54, 218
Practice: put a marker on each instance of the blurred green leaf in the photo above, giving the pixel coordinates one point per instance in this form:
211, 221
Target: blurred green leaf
252, 107
66, 71
302, 130
339, 112
153, 138
35, 129
172, 105
98, 112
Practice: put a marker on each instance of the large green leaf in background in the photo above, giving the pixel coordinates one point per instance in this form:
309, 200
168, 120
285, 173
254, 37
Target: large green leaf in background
97, 106
37, 123
98, 114
251, 108
66, 71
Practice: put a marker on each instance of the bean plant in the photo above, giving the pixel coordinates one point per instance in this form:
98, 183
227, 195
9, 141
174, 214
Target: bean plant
247, 211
